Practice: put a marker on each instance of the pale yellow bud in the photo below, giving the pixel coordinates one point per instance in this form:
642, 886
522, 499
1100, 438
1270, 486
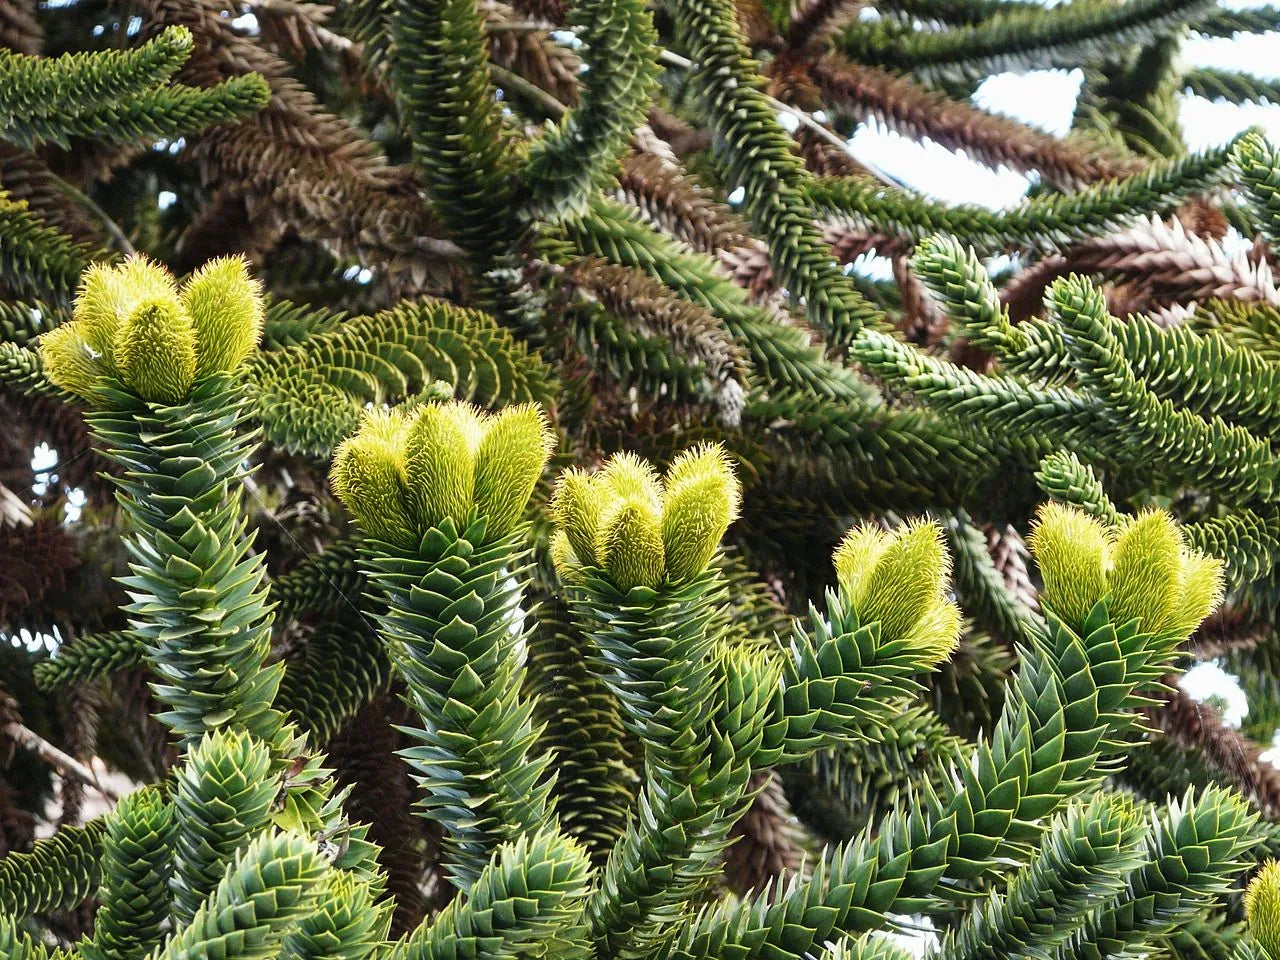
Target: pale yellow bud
1074, 553
102, 303
368, 476
632, 546
628, 483
907, 581
155, 352
110, 293
575, 508
1145, 575
1158, 579
564, 559
936, 634
69, 362
857, 555
1262, 908
516, 446
701, 500
439, 458
1202, 591
626, 477
226, 309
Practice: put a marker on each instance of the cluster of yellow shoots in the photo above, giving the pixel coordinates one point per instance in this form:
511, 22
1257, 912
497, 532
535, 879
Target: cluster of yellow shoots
900, 579
133, 324
1262, 909
403, 473
641, 528
1143, 565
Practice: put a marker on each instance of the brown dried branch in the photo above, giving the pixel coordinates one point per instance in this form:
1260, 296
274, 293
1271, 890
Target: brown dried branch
756, 23
19, 29
646, 142
89, 161
364, 755
790, 81
391, 229
814, 22
863, 92
683, 138
1023, 296
848, 244
824, 159
1012, 559
553, 12
651, 310
78, 707
224, 225
33, 420
1229, 630
17, 826
296, 29
674, 202
1160, 263
921, 320
34, 562
25, 176
769, 839
531, 54
290, 151
1199, 727
750, 269
1202, 218
823, 150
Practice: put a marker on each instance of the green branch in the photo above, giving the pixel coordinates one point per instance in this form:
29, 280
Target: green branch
1022, 39
578, 157
757, 154
1042, 224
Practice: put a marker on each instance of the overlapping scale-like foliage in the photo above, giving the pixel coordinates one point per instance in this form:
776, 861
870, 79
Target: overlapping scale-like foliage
310, 396
538, 305
248, 853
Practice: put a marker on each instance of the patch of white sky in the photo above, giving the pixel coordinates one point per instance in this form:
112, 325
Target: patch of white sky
1046, 99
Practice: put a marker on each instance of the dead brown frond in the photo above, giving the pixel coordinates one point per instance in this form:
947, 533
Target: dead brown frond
863, 92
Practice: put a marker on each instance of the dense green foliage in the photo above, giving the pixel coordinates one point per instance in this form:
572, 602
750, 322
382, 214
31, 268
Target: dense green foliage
483, 506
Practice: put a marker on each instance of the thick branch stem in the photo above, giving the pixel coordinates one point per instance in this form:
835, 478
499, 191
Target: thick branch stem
65, 763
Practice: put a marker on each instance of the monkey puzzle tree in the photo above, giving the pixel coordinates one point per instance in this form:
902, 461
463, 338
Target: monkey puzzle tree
500, 294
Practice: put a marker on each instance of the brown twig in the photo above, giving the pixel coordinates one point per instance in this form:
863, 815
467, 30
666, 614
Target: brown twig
513, 81
1199, 727
65, 763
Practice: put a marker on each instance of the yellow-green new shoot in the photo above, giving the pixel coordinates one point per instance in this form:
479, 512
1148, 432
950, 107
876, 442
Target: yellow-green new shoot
440, 462
156, 352
641, 529
401, 475
1144, 569
369, 478
1262, 908
899, 579
226, 310
132, 325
